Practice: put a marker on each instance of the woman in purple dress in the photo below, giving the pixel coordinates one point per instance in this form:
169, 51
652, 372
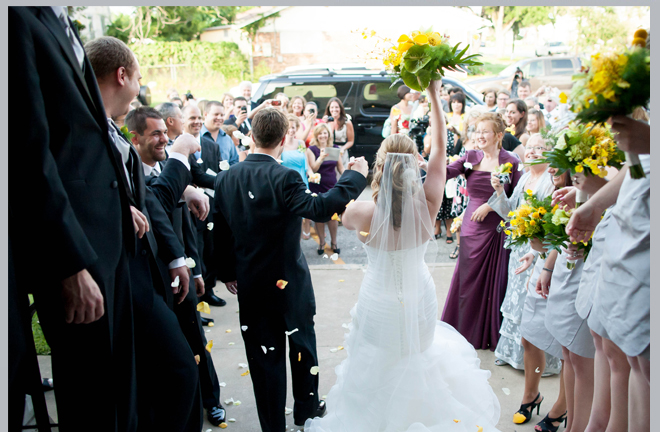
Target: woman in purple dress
480, 278
316, 156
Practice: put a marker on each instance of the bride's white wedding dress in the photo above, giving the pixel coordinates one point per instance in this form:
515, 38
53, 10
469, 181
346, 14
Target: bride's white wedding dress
405, 370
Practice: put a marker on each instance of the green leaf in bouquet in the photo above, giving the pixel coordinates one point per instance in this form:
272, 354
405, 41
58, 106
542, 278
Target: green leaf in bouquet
424, 78
416, 58
410, 80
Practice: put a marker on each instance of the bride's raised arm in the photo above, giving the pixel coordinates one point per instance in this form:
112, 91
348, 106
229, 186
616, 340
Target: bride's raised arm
436, 173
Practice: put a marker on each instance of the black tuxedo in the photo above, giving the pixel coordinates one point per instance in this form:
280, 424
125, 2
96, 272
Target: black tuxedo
257, 231
77, 214
243, 127
210, 160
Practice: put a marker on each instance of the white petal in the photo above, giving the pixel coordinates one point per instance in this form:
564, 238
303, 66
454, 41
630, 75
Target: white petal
334, 257
314, 370
244, 328
242, 365
237, 403
222, 384
315, 195
238, 135
224, 165
506, 391
190, 262
345, 325
229, 401
208, 331
308, 191
176, 282
250, 195
467, 165
199, 161
264, 349
231, 420
289, 333
272, 348
333, 350
538, 370
325, 256
311, 394
209, 226
521, 167
209, 430
232, 343
287, 411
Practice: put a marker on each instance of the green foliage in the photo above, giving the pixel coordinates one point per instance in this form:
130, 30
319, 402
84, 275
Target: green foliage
40, 343
597, 25
223, 57
119, 28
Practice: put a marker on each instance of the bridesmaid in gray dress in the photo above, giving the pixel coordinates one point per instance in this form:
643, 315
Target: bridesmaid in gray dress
509, 347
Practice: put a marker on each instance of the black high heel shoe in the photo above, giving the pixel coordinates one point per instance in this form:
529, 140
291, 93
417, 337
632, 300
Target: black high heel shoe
321, 249
334, 247
546, 425
524, 414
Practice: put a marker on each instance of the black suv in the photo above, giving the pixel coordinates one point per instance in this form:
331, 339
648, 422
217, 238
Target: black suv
366, 95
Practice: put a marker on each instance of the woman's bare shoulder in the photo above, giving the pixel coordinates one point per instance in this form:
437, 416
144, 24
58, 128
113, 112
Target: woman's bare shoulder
358, 215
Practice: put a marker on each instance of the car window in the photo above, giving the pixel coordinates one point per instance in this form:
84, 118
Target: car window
562, 67
533, 69
378, 98
509, 70
319, 92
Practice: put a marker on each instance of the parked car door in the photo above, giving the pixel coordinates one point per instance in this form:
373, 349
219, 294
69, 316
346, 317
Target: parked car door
535, 72
561, 71
319, 90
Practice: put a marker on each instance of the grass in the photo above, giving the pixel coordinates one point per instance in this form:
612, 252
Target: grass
39, 340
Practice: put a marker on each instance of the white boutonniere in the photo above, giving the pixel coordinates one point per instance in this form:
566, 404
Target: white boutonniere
467, 165
224, 165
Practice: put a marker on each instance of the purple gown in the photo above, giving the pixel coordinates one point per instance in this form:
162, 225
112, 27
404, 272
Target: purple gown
327, 171
480, 278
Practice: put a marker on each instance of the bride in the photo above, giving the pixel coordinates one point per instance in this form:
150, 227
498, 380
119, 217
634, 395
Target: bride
405, 370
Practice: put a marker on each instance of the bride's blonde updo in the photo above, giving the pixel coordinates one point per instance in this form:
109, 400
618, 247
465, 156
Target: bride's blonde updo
396, 143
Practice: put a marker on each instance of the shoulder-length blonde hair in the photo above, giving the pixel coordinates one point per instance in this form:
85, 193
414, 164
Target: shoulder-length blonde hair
317, 131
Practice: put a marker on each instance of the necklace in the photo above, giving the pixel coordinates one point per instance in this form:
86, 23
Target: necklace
533, 181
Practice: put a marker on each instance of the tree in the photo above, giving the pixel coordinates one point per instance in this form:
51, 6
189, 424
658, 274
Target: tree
598, 25
505, 18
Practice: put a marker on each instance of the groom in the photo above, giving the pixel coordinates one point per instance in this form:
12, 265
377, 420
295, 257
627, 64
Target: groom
257, 235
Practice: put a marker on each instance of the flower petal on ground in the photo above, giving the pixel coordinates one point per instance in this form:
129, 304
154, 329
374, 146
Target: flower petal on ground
246, 373
203, 307
209, 345
314, 370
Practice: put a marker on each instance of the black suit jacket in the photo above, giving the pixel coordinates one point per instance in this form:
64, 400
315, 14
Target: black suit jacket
77, 209
210, 160
257, 233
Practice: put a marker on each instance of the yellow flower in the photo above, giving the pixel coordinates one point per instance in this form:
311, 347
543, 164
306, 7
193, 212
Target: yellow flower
421, 39
535, 215
507, 232
542, 210
563, 98
434, 39
404, 38
554, 209
579, 168
404, 46
373, 33
529, 192
511, 214
502, 224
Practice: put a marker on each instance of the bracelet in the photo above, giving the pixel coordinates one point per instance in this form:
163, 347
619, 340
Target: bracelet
547, 269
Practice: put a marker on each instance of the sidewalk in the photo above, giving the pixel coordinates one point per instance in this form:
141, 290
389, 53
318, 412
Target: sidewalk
334, 299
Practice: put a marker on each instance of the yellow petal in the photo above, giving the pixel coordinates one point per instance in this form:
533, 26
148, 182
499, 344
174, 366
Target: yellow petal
421, 39
519, 418
223, 425
211, 324
209, 345
456, 421
350, 202
281, 284
563, 98
299, 356
341, 280
403, 38
228, 331
203, 307
246, 373
335, 217
339, 348
480, 429
364, 233
197, 358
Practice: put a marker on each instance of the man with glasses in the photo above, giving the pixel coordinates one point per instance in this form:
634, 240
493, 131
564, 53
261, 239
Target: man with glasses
503, 97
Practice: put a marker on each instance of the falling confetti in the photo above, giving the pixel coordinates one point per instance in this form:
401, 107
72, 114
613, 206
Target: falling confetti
289, 333
265, 350
211, 324
229, 401
231, 343
190, 262
237, 403
537, 370
209, 226
281, 284
345, 325
480, 429
271, 349
325, 256
223, 425
506, 391
314, 370
197, 358
228, 331
208, 331
203, 307
242, 365
456, 421
299, 355
244, 328
308, 191
287, 411
315, 195
224, 165
176, 282
250, 195
222, 384
209, 345
350, 202
199, 161
340, 347
333, 350
341, 280
335, 217
364, 233
334, 257
231, 420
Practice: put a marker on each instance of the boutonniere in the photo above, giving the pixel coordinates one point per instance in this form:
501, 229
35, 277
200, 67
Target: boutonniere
126, 133
467, 165
224, 165
511, 130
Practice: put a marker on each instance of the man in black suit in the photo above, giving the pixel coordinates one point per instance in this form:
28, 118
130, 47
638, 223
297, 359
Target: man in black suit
81, 218
257, 229
239, 117
209, 161
174, 403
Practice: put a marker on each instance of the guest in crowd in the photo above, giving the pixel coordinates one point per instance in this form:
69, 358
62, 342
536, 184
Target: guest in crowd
535, 121
177, 100
532, 102
284, 102
490, 98
294, 156
474, 301
503, 97
401, 112
341, 129
311, 112
509, 348
297, 108
524, 90
212, 129
516, 121
240, 116
316, 157
515, 82
228, 104
245, 89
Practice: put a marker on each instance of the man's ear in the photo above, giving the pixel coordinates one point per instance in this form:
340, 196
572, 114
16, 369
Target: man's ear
121, 75
134, 139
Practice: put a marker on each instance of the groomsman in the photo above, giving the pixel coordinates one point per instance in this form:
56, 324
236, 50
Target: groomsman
81, 219
213, 120
172, 403
257, 229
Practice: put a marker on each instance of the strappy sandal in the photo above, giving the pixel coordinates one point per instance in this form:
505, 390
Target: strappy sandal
454, 254
546, 425
334, 247
524, 414
306, 236
450, 240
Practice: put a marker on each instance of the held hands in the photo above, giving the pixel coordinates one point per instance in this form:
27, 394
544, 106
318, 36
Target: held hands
495, 182
360, 165
583, 222
480, 213
232, 287
632, 135
140, 222
83, 301
186, 144
526, 262
564, 197
184, 279
199, 286
537, 245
